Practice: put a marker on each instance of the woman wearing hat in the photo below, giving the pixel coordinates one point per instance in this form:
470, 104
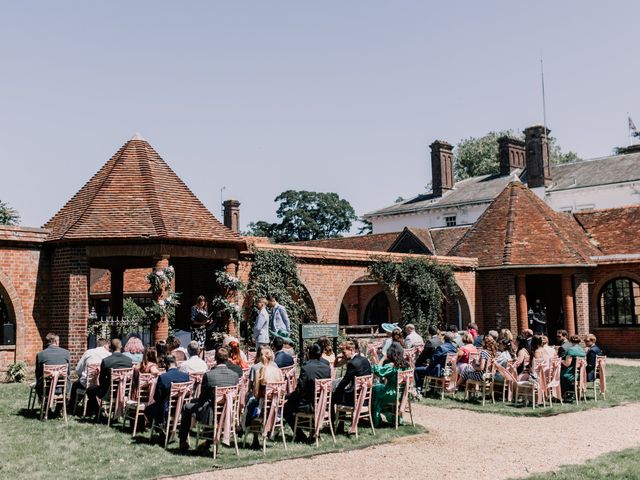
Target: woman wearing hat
388, 328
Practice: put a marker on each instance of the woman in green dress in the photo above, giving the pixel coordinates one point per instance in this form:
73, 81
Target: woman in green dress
384, 393
568, 373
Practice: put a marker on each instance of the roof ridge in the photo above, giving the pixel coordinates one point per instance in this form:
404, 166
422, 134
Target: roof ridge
150, 188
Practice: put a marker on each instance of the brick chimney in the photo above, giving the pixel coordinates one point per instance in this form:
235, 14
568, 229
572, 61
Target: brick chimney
441, 167
232, 214
511, 155
537, 156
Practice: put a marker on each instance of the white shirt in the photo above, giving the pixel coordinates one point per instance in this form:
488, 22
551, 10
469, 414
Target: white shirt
93, 355
194, 365
413, 340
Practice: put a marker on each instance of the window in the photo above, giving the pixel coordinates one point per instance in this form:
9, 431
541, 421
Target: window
450, 221
7, 334
619, 303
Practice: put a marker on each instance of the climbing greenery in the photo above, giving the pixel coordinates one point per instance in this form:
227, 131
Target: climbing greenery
225, 301
274, 272
131, 310
159, 280
420, 286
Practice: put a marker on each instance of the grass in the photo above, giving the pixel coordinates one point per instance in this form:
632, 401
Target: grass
623, 386
624, 465
80, 450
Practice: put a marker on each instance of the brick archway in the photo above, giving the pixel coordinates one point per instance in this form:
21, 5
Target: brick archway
597, 288
12, 301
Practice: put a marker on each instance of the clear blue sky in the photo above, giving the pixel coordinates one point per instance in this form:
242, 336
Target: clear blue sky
266, 96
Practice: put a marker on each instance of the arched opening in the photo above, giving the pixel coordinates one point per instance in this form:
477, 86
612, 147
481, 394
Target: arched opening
7, 320
367, 303
344, 316
619, 302
378, 310
455, 311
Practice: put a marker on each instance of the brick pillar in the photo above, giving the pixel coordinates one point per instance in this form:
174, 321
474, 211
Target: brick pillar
582, 304
161, 328
232, 269
567, 304
117, 287
521, 296
69, 300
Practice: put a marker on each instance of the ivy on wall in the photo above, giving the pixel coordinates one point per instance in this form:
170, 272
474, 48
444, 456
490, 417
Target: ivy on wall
231, 285
159, 280
420, 286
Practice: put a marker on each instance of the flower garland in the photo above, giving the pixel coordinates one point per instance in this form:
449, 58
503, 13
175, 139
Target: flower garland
231, 284
160, 281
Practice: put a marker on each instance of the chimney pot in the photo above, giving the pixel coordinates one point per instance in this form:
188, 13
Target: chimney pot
536, 139
441, 167
232, 214
511, 153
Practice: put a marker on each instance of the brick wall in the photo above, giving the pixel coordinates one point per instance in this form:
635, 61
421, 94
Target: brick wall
497, 289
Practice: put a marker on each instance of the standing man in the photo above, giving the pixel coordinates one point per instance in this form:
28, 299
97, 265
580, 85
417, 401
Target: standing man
261, 327
279, 317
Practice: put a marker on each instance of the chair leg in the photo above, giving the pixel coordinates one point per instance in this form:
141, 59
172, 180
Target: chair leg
373, 430
331, 429
284, 440
135, 423
64, 408
109, 414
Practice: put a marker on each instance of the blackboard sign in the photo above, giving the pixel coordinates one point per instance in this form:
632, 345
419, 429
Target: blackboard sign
317, 330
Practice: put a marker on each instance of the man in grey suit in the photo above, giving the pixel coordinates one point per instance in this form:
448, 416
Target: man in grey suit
52, 355
279, 317
261, 327
220, 376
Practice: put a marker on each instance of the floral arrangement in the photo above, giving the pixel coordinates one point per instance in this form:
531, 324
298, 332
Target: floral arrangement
160, 281
229, 281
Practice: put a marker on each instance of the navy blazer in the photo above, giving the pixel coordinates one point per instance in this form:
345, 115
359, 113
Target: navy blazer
163, 387
358, 366
310, 371
115, 360
283, 359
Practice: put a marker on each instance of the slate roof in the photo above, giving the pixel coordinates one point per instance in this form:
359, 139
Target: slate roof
615, 230
518, 228
597, 171
136, 195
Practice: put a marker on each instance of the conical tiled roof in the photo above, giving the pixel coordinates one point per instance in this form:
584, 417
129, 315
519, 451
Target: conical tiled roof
518, 228
137, 195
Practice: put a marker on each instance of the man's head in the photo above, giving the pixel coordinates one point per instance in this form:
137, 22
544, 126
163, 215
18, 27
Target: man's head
52, 339
527, 332
277, 343
494, 334
452, 328
314, 352
170, 361
433, 330
449, 337
173, 342
348, 349
272, 301
590, 340
116, 345
193, 348
409, 328
102, 342
261, 303
561, 335
222, 355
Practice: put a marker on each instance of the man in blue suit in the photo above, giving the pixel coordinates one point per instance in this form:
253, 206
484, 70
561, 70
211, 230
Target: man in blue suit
157, 411
279, 319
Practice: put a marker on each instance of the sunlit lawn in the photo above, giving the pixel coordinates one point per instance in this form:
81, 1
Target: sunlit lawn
623, 386
84, 450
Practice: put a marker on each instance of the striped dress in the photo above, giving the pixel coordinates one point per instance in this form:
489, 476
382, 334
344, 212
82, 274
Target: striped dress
476, 375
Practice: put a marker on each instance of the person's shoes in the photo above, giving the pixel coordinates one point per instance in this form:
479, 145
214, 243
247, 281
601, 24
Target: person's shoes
184, 446
300, 438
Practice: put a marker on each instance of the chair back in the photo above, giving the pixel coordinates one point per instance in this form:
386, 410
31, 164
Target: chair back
274, 398
120, 388
474, 358
601, 372
224, 409
322, 402
410, 356
450, 366
289, 376
553, 378
251, 358
362, 396
406, 381
197, 383
92, 371
581, 371
146, 388
54, 378
179, 394
372, 350
210, 359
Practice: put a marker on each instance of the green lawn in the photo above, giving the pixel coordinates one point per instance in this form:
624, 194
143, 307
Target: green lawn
624, 465
623, 386
81, 450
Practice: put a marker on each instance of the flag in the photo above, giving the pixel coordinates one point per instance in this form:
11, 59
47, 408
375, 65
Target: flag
632, 126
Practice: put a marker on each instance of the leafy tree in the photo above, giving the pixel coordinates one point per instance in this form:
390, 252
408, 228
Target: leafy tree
476, 156
366, 228
8, 215
421, 287
307, 216
132, 311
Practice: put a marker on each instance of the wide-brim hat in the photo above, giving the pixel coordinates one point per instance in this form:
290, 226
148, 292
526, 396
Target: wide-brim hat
283, 335
389, 327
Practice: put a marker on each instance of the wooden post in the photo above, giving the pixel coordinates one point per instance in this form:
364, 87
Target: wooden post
567, 304
521, 297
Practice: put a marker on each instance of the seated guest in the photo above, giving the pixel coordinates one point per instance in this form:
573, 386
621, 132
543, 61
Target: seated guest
116, 360
505, 333
413, 338
562, 340
219, 376
504, 352
91, 356
175, 350
439, 357
52, 355
472, 328
397, 341
162, 350
568, 367
235, 354
157, 411
537, 350
288, 346
424, 359
149, 362
523, 357
302, 398
282, 358
357, 366
255, 369
548, 351
385, 393
464, 351
593, 351
267, 372
327, 350
134, 349
487, 354
478, 341
457, 338
528, 334
194, 364
388, 328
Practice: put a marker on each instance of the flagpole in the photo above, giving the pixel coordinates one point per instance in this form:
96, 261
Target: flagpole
629, 126
544, 105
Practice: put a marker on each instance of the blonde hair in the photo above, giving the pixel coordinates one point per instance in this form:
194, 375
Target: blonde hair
467, 338
269, 371
591, 337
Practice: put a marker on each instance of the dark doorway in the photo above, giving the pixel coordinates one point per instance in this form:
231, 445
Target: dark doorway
378, 310
548, 290
344, 316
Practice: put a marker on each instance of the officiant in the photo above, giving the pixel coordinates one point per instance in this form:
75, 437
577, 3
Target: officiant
199, 321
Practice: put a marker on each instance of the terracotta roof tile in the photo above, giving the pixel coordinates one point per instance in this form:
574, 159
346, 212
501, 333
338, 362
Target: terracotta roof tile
374, 242
518, 228
445, 238
136, 195
615, 230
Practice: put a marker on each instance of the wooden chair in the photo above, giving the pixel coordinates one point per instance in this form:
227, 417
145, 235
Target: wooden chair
484, 386
404, 386
474, 358
271, 417
533, 388
447, 381
54, 389
243, 389
119, 392
289, 375
196, 378
143, 396
410, 357
92, 374
361, 408
321, 414
580, 382
223, 421
179, 395
553, 381
509, 380
600, 378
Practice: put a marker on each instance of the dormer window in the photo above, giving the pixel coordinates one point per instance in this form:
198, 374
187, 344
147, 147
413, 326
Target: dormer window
450, 221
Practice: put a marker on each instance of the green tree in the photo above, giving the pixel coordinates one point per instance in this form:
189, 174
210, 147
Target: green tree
420, 286
476, 156
8, 215
131, 310
307, 216
366, 228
